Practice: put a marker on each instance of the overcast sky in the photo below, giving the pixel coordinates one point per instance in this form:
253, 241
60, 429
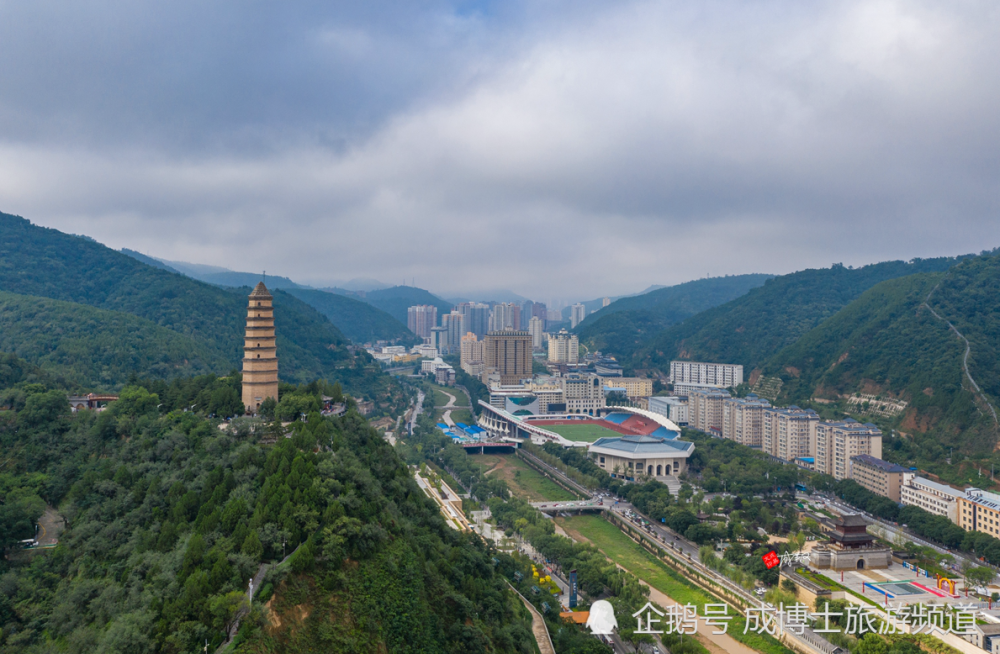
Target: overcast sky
558, 149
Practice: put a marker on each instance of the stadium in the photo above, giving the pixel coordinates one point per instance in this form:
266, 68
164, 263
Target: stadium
573, 430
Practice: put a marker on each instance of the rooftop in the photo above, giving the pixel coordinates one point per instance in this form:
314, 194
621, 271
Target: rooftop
944, 489
644, 445
874, 462
260, 291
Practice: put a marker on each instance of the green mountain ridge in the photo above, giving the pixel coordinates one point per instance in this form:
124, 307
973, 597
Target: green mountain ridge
888, 344
396, 300
167, 517
360, 321
750, 329
47, 263
93, 348
629, 322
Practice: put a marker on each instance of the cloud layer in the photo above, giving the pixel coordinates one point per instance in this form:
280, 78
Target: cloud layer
558, 149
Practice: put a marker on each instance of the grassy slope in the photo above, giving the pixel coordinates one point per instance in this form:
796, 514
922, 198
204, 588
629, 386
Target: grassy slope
97, 349
360, 322
752, 328
523, 480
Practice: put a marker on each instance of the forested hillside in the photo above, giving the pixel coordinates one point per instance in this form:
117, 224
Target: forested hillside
629, 322
396, 300
752, 328
47, 263
168, 517
359, 321
92, 348
887, 343
149, 261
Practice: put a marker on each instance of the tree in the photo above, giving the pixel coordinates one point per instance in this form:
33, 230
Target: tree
872, 644
226, 609
252, 546
980, 576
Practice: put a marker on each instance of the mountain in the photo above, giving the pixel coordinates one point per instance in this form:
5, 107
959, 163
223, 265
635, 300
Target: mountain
360, 322
629, 322
149, 261
47, 263
889, 344
94, 348
754, 327
167, 517
221, 276
396, 300
364, 284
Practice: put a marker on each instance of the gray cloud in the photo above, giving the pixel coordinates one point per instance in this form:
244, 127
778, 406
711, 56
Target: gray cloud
559, 149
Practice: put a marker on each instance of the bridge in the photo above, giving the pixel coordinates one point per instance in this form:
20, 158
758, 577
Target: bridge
570, 507
492, 447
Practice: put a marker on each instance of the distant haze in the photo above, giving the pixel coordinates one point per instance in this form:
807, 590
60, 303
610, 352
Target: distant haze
558, 149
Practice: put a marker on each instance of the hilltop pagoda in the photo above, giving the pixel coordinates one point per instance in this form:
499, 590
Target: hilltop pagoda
260, 358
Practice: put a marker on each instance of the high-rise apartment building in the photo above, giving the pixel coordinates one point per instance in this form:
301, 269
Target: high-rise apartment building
705, 412
477, 317
837, 442
539, 311
605, 302
421, 318
527, 307
472, 355
564, 347
507, 354
505, 315
576, 315
743, 420
553, 316
695, 373
454, 324
260, 358
536, 327
790, 433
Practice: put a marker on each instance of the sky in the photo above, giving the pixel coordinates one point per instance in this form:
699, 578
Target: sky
568, 149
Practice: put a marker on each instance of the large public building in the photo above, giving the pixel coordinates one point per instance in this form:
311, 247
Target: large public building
260, 354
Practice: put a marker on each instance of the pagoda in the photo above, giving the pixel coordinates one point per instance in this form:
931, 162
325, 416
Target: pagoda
260, 357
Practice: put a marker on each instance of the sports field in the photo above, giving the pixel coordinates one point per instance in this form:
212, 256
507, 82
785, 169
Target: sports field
586, 433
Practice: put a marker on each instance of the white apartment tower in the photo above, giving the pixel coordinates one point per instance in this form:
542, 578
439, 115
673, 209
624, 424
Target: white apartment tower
837, 442
790, 433
564, 347
743, 420
577, 313
694, 373
536, 326
705, 412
